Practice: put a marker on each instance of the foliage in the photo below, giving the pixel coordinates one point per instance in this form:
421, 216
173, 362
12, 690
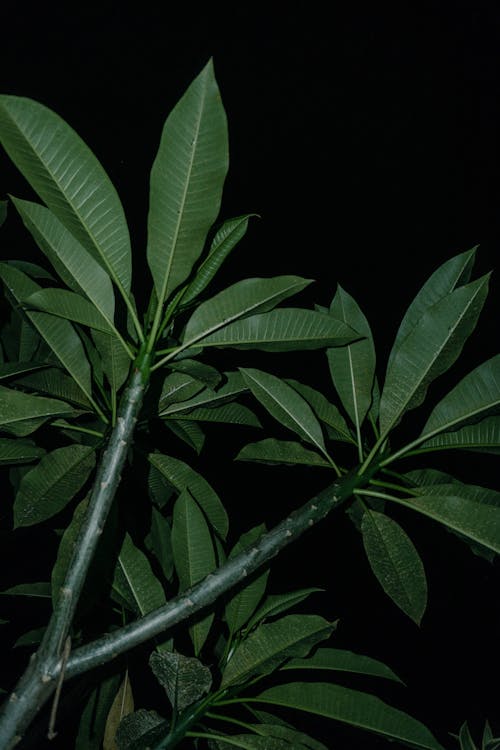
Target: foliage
77, 359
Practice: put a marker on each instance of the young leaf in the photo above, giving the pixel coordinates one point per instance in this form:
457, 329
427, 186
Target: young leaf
52, 483
183, 477
453, 272
59, 334
226, 238
69, 179
271, 451
134, 573
353, 367
123, 705
18, 451
351, 707
285, 405
270, 645
429, 349
478, 522
395, 562
281, 330
68, 305
184, 678
243, 604
194, 555
238, 301
186, 183
340, 660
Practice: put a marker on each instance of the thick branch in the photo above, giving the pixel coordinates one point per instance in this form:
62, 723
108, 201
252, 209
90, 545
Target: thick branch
38, 682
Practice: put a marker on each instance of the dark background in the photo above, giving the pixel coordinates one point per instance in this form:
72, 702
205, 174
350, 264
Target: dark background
367, 141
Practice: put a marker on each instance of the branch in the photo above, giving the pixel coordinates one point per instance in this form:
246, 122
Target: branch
208, 590
38, 682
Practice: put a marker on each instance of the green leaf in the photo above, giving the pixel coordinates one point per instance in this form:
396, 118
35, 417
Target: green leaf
226, 238
429, 349
452, 273
465, 738
340, 660
395, 563
189, 432
52, 382
69, 179
275, 604
226, 414
66, 549
17, 410
482, 436
135, 575
252, 742
294, 740
271, 644
95, 713
194, 555
243, 604
141, 730
32, 269
324, 410
186, 183
10, 369
198, 370
3, 212
238, 301
115, 360
178, 387
76, 267
160, 543
68, 305
479, 522
353, 367
281, 330
271, 451
18, 451
184, 678
123, 705
58, 333
47, 488
233, 386
474, 397
285, 405
351, 707
30, 638
183, 477
38, 590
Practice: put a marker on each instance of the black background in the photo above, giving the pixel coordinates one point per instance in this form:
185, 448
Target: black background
367, 141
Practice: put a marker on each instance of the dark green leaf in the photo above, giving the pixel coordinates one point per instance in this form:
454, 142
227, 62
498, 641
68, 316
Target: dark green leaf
189, 432
39, 590
325, 411
94, 715
395, 562
18, 451
198, 370
271, 644
70, 306
275, 604
184, 678
10, 369
48, 487
352, 707
178, 387
226, 414
271, 451
135, 575
140, 730
243, 604
160, 543
17, 409
340, 660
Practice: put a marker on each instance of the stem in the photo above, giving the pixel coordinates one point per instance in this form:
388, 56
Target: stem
39, 680
207, 591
